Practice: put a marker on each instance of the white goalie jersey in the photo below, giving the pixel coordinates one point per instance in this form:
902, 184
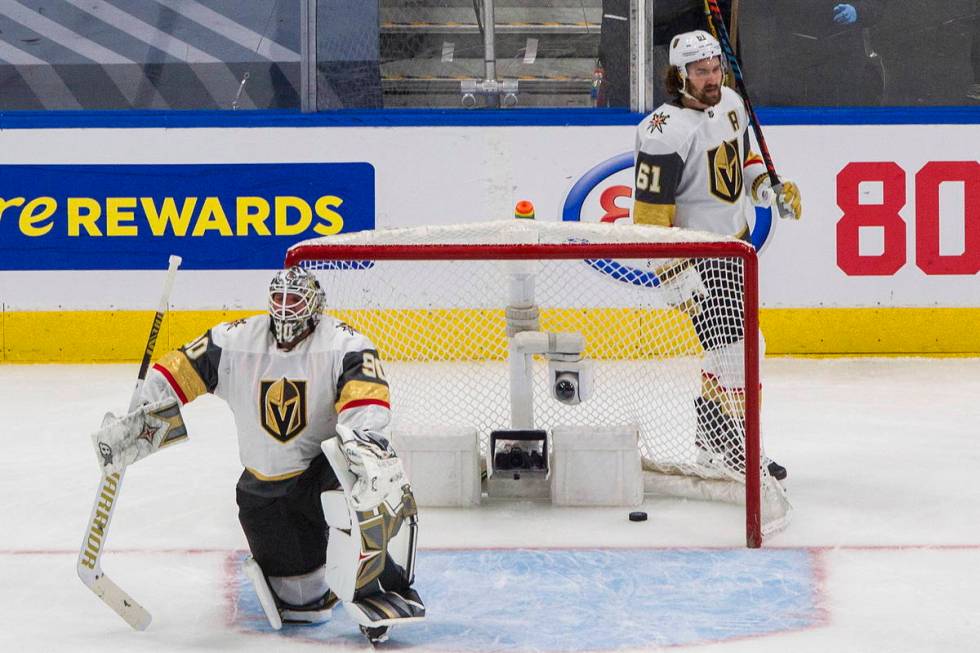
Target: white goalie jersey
694, 168
285, 403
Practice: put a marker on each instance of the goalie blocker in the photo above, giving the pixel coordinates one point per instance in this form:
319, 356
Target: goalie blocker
124, 440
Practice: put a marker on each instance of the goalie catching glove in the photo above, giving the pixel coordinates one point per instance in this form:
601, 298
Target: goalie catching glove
374, 464
123, 440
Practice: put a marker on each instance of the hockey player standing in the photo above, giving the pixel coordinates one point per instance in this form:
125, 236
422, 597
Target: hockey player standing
694, 169
310, 402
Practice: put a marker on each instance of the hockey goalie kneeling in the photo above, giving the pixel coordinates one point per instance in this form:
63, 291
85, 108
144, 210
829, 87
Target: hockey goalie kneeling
323, 500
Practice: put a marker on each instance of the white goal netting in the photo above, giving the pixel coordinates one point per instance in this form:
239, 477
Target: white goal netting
660, 312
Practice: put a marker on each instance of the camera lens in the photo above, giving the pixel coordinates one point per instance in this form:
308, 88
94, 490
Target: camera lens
565, 390
517, 458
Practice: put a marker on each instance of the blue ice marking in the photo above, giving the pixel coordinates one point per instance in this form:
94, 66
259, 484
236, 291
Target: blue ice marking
590, 599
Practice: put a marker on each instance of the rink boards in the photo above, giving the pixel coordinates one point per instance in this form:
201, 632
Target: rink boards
884, 260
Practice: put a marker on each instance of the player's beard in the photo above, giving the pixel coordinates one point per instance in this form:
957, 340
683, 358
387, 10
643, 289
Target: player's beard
709, 96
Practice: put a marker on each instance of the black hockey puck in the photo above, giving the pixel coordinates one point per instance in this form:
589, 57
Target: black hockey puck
638, 516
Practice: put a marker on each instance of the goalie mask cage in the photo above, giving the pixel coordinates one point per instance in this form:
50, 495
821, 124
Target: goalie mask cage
434, 301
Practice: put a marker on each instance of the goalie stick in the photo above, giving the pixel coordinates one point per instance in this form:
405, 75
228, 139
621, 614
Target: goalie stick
717, 25
89, 565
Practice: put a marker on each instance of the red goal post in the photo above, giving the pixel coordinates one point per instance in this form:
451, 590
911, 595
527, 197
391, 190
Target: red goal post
434, 262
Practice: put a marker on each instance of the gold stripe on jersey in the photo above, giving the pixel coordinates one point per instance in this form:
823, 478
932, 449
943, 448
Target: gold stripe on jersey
182, 372
656, 214
355, 392
276, 477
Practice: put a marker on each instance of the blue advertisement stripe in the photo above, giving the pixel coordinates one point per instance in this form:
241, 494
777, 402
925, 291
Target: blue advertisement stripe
522, 117
215, 216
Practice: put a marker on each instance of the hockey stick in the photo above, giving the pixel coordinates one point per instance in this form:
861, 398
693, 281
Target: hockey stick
733, 21
717, 24
89, 559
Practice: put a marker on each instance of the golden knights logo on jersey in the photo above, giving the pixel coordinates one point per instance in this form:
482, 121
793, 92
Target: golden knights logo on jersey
725, 171
282, 408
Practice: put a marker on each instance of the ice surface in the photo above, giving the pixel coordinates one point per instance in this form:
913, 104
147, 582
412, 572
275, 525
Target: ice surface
883, 553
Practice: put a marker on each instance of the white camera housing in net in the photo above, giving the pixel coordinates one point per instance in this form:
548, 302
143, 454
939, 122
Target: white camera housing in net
576, 374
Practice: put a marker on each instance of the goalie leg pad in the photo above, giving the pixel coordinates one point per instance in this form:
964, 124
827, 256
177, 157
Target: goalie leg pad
371, 554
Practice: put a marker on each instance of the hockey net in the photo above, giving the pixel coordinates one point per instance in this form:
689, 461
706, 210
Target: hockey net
434, 301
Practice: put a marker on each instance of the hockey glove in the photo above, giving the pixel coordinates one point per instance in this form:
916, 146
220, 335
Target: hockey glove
123, 440
375, 465
845, 14
789, 196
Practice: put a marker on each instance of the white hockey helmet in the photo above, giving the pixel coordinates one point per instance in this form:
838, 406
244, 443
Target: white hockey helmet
295, 304
693, 46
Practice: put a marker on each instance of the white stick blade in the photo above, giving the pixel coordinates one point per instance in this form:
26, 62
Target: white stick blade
121, 603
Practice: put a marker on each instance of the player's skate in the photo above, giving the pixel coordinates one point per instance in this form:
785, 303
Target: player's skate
719, 441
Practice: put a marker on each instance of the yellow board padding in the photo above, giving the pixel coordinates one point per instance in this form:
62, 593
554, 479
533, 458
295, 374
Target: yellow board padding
99, 336
471, 334
481, 334
871, 331
77, 336
120, 336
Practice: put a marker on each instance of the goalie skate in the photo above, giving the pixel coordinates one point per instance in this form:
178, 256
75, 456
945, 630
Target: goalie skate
375, 635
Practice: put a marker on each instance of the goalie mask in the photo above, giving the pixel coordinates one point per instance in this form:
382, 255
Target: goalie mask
295, 302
